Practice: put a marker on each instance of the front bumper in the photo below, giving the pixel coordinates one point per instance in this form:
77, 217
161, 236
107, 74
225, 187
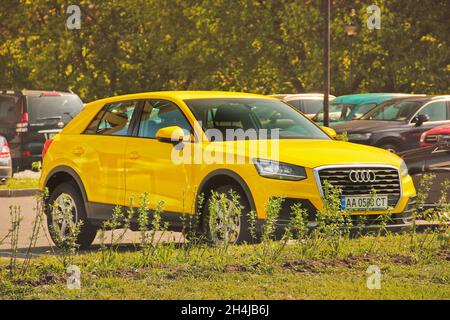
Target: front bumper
361, 223
308, 192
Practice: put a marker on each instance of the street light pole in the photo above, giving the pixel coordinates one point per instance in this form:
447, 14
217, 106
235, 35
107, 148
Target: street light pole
352, 31
326, 64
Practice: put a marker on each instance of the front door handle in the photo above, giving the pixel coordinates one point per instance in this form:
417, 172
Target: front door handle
78, 151
133, 156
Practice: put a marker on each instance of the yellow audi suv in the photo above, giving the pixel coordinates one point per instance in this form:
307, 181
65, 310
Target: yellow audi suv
176, 146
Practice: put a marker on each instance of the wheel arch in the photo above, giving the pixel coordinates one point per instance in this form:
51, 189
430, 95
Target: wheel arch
220, 177
391, 140
63, 174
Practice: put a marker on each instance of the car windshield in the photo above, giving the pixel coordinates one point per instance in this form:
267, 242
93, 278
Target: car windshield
393, 111
361, 111
65, 107
257, 115
338, 112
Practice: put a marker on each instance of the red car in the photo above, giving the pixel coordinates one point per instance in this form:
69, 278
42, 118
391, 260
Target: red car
430, 137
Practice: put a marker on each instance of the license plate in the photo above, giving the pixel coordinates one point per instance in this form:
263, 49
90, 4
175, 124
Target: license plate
363, 203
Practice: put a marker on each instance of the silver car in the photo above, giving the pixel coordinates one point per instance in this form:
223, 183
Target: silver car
308, 103
5, 161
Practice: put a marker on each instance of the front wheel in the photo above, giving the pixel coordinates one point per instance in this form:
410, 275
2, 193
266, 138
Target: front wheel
65, 214
225, 217
390, 147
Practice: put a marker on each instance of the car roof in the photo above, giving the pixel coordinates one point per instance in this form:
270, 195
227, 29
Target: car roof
186, 95
423, 98
34, 92
368, 97
292, 96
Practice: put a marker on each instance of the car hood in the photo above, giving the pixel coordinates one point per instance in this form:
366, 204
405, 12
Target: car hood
366, 126
311, 153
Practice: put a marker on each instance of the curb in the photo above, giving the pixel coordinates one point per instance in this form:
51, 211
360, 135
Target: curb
18, 193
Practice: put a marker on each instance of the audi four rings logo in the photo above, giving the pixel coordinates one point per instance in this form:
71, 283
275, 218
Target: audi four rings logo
362, 176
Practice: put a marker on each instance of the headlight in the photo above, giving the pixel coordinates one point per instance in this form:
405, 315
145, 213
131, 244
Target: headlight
277, 170
404, 169
359, 136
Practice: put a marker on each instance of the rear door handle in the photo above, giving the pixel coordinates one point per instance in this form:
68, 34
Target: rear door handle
133, 156
78, 151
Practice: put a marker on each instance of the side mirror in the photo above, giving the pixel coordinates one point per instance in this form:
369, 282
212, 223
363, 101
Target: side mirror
421, 119
329, 131
172, 134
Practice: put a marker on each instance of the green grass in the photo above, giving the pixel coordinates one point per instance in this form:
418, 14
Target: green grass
16, 184
209, 273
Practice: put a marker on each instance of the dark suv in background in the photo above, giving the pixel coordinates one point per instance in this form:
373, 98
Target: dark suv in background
27, 117
397, 125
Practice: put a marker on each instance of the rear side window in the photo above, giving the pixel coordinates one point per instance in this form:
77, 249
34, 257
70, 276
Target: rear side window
9, 109
114, 119
64, 107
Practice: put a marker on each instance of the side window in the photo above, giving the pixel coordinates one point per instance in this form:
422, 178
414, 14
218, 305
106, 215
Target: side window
313, 106
363, 110
158, 114
114, 119
437, 111
295, 103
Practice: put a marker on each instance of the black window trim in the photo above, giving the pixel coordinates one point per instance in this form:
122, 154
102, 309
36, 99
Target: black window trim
137, 123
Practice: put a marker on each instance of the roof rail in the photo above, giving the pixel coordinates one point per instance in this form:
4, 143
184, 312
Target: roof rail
441, 97
11, 91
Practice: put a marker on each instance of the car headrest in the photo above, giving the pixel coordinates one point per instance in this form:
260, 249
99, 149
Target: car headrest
231, 114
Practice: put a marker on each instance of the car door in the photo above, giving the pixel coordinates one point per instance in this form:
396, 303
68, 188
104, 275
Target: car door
438, 163
149, 165
100, 153
439, 115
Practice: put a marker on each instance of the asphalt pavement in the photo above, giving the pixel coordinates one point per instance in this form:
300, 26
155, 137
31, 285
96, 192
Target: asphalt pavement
44, 244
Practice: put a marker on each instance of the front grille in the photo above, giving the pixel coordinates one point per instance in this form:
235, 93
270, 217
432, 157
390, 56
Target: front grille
431, 138
387, 182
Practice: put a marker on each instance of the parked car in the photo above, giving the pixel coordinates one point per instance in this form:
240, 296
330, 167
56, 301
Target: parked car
24, 113
308, 103
397, 125
433, 159
354, 106
143, 132
430, 137
5, 161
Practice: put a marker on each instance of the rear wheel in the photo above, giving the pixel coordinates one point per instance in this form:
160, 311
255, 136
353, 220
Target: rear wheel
65, 209
226, 225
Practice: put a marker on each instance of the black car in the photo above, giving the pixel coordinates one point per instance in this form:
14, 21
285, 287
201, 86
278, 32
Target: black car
435, 160
26, 115
398, 124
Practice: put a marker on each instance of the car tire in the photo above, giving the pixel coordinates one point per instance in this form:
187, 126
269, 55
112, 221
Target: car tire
70, 192
390, 147
244, 234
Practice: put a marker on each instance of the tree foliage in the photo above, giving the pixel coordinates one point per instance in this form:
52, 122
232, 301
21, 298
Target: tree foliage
264, 46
